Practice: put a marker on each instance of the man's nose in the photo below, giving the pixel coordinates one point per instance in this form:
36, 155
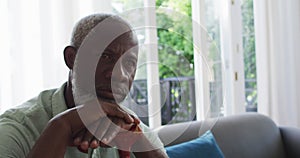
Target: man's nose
119, 73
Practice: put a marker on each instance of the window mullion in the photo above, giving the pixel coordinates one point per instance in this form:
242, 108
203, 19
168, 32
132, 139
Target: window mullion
200, 58
232, 57
153, 84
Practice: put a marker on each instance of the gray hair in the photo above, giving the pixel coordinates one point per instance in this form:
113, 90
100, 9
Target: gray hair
86, 24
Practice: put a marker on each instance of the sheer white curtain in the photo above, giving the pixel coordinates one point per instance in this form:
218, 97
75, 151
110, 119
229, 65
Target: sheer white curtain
33, 36
277, 25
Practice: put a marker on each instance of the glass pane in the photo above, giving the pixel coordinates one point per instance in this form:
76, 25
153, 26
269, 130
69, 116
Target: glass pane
214, 56
249, 55
175, 48
120, 6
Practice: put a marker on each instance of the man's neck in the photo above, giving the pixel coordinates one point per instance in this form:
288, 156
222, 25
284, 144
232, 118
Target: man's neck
69, 95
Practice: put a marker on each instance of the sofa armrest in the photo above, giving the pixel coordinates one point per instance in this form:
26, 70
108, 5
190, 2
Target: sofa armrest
291, 140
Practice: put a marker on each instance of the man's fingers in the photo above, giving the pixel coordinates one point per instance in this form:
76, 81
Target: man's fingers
94, 143
88, 114
78, 137
112, 131
118, 112
78, 141
102, 128
136, 120
85, 143
99, 123
115, 128
95, 110
114, 110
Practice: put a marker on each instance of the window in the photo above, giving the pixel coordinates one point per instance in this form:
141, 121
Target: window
175, 52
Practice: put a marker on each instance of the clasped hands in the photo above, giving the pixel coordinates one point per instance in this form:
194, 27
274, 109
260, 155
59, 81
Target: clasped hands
101, 123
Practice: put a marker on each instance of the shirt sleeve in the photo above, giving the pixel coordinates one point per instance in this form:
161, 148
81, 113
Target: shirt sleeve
13, 141
152, 136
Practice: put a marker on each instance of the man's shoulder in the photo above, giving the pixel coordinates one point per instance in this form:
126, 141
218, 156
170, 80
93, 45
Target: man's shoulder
14, 136
40, 101
21, 126
34, 112
17, 130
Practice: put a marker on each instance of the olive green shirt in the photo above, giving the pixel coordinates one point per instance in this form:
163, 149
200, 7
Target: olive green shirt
21, 127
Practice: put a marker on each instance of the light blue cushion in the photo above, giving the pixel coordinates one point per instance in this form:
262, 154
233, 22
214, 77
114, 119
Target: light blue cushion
202, 147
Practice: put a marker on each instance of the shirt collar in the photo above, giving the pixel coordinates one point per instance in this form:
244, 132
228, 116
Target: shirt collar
58, 101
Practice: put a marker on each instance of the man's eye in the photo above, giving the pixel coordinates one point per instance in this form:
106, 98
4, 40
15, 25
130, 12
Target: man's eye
105, 56
130, 63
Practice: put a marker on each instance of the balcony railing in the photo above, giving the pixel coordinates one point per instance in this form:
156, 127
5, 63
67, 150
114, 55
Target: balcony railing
178, 99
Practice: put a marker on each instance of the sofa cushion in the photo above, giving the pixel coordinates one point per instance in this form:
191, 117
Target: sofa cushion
204, 147
246, 135
249, 135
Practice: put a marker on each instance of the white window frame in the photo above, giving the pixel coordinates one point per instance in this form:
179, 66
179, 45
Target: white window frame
200, 69
153, 84
232, 57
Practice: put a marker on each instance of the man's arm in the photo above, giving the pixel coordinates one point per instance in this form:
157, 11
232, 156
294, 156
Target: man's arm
12, 141
62, 128
53, 141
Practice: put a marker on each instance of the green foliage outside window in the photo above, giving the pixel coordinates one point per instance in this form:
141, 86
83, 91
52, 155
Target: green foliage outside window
175, 39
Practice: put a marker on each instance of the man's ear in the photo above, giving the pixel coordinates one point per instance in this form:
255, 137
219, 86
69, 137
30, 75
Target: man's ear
69, 56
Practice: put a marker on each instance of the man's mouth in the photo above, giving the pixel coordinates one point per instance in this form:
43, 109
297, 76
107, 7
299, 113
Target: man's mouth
109, 94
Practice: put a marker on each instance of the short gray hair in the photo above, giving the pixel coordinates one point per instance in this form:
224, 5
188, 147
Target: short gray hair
86, 24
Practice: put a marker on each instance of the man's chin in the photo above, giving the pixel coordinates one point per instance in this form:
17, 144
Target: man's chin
108, 96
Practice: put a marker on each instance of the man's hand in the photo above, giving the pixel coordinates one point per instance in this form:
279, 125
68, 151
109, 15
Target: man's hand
121, 132
95, 111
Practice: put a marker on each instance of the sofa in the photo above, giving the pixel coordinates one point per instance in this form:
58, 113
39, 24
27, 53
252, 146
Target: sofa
248, 135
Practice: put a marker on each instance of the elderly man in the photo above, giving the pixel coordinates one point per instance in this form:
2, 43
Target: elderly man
79, 120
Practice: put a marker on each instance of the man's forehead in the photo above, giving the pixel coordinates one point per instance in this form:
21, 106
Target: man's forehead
125, 41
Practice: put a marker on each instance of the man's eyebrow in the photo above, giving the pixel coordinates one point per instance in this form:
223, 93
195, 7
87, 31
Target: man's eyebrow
112, 52
129, 54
